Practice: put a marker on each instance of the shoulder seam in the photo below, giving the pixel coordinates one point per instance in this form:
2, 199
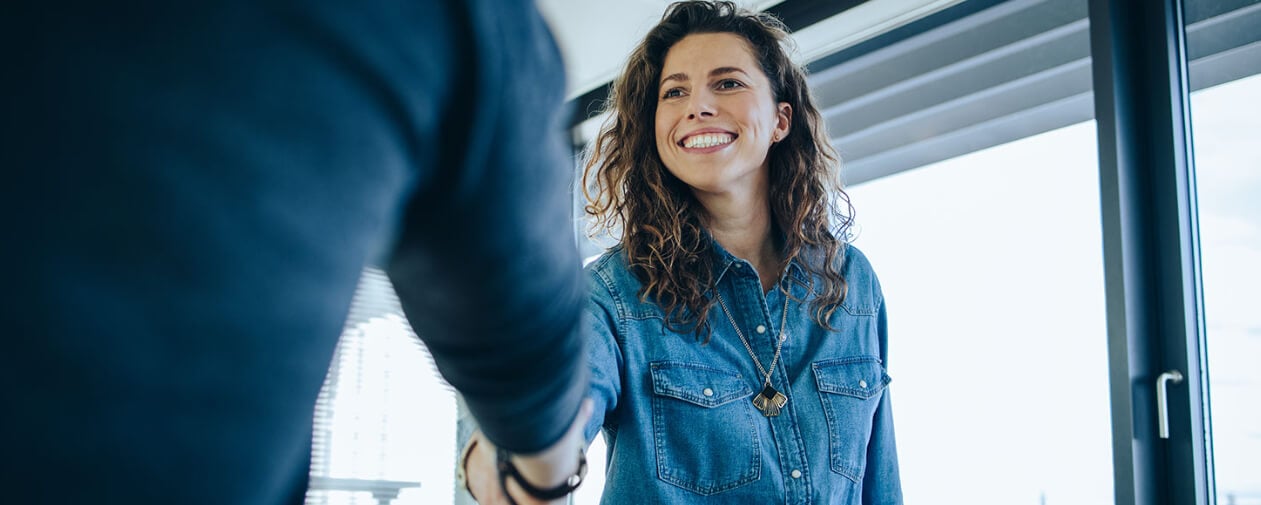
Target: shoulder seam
600, 269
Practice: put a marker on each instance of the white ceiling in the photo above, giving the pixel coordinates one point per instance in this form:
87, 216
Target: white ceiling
595, 36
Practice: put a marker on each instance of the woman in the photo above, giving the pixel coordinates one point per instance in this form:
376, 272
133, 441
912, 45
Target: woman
737, 342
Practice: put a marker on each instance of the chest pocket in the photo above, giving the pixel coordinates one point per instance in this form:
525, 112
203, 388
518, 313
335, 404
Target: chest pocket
704, 434
850, 389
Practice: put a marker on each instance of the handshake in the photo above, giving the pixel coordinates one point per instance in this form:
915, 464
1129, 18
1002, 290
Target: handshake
495, 477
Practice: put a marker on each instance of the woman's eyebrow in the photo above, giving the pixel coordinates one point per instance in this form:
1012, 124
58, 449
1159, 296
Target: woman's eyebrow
682, 77
677, 76
726, 70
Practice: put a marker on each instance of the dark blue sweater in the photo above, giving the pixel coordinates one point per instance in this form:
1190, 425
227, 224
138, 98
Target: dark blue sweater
190, 192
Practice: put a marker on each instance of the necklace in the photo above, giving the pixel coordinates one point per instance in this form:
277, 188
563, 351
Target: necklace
769, 401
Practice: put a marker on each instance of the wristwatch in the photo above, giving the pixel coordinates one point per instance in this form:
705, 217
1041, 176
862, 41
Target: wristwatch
507, 469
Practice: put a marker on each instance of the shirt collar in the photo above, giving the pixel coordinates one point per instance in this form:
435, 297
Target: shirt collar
724, 262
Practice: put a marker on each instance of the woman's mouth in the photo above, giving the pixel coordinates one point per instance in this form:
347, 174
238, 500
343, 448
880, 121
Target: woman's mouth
706, 140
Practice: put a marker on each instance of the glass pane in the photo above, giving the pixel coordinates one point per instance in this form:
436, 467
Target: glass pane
1226, 127
385, 421
992, 270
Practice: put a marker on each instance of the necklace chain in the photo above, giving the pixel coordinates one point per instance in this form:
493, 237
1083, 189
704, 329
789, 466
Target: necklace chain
778, 346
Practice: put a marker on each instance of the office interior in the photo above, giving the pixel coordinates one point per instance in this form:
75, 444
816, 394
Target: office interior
1063, 198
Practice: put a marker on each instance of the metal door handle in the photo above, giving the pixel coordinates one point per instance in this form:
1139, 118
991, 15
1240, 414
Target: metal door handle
1162, 399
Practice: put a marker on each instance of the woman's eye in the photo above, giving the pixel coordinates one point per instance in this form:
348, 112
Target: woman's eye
729, 84
672, 92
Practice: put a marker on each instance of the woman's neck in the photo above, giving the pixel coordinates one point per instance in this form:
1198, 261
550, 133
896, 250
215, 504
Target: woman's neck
745, 229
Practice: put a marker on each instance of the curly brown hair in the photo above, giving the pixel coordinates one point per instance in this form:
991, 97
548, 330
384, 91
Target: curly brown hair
659, 219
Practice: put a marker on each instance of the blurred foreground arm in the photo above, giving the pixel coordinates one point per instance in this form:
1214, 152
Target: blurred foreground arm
485, 264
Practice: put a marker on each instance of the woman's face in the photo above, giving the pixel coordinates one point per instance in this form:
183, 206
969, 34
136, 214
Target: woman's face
716, 116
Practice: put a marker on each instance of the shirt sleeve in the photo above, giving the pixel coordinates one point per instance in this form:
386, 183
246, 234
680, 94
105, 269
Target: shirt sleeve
604, 356
485, 263
882, 484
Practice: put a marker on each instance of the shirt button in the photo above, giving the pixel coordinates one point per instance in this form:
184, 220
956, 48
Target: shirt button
796, 474
761, 329
708, 392
862, 384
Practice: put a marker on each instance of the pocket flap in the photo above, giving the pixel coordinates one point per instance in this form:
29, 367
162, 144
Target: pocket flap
697, 384
858, 376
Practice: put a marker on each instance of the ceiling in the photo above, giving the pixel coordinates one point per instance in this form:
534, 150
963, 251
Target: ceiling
595, 36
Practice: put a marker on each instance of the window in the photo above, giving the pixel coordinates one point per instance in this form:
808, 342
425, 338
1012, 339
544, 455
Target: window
385, 420
1228, 176
994, 285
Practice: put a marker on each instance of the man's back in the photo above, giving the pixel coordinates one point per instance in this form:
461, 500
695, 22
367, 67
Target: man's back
192, 192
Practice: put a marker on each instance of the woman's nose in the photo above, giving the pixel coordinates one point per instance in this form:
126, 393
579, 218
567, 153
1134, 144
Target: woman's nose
700, 105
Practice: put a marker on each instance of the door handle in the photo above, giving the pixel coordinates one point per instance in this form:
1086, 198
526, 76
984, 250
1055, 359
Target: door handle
1162, 399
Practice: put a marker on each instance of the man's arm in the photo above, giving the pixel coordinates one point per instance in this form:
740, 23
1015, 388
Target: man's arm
485, 264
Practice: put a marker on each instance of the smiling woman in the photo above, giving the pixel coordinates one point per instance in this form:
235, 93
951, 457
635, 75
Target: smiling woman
716, 172
714, 132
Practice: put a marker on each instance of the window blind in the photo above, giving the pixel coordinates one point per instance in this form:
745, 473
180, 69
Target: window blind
384, 419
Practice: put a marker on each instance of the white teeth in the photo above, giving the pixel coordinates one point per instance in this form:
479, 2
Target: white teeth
707, 140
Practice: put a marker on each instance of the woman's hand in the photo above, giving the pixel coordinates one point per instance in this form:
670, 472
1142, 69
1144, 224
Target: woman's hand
546, 469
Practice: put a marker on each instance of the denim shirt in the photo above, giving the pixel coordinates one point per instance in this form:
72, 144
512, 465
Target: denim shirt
677, 414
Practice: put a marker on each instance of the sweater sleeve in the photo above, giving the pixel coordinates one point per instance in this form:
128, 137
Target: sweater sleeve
485, 262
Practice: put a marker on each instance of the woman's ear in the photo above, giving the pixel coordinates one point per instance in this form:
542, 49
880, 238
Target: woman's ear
783, 120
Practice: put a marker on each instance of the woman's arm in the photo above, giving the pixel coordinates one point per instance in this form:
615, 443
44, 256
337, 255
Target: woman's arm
882, 484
